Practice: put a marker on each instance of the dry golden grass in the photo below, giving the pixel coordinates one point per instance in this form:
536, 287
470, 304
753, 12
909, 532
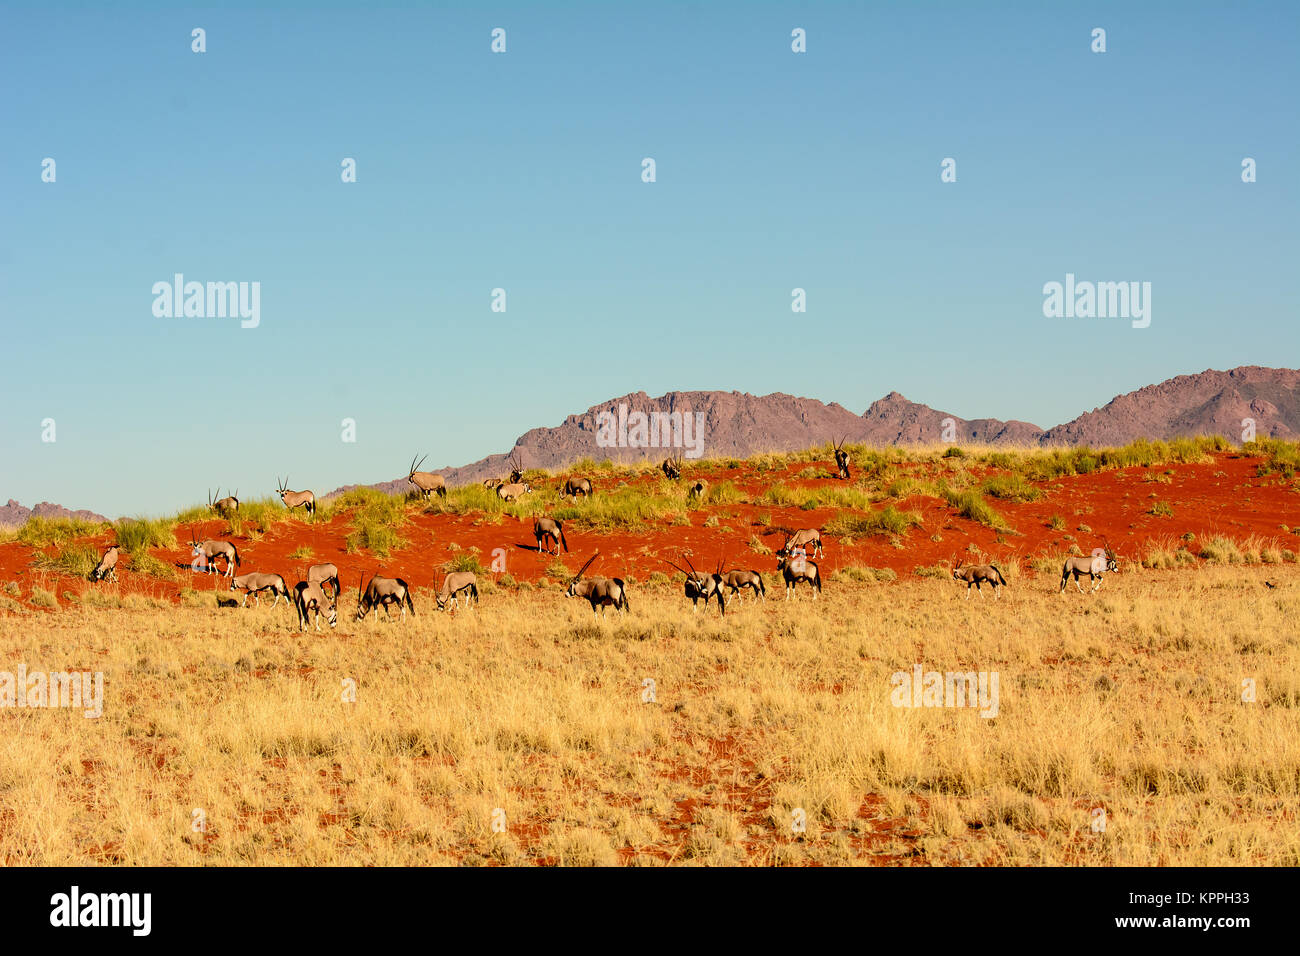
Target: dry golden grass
1129, 700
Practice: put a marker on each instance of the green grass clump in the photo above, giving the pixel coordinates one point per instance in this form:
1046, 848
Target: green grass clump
42, 532
464, 561
44, 598
1221, 550
154, 567
886, 521
137, 535
1012, 487
77, 559
971, 504
1162, 509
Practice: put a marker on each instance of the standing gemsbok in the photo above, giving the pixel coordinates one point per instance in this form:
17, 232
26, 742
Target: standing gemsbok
383, 591
224, 506
107, 566
513, 490
672, 467
258, 581
210, 549
292, 499
574, 487
733, 581
453, 586
979, 575
426, 481
842, 458
799, 569
1094, 566
700, 585
545, 529
599, 592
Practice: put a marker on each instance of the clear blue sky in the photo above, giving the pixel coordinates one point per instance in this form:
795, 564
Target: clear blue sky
775, 170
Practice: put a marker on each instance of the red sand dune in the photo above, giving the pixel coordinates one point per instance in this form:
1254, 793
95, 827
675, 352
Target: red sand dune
1224, 497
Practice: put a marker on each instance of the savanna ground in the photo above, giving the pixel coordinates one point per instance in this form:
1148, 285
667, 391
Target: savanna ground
1170, 699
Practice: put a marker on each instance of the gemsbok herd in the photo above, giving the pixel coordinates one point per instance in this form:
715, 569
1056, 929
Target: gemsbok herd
319, 594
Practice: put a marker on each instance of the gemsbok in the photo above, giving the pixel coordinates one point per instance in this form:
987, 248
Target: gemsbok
258, 581
735, 580
308, 597
545, 529
292, 499
516, 463
107, 566
1094, 566
383, 591
513, 490
224, 506
211, 549
796, 571
842, 458
698, 490
574, 487
600, 592
453, 586
797, 539
979, 575
672, 467
426, 481
323, 574
700, 585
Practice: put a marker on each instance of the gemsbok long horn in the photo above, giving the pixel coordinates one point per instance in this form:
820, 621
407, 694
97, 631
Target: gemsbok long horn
293, 499
426, 481
599, 591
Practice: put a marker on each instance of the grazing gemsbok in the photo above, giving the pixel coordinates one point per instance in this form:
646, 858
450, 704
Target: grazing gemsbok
735, 580
323, 574
107, 566
513, 490
698, 490
798, 539
308, 596
453, 586
292, 499
793, 573
600, 592
211, 549
549, 528
490, 483
426, 481
700, 585
979, 575
574, 487
257, 582
1098, 563
672, 467
383, 591
224, 506
842, 458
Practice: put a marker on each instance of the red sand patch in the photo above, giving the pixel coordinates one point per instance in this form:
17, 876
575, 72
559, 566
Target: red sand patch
1224, 496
